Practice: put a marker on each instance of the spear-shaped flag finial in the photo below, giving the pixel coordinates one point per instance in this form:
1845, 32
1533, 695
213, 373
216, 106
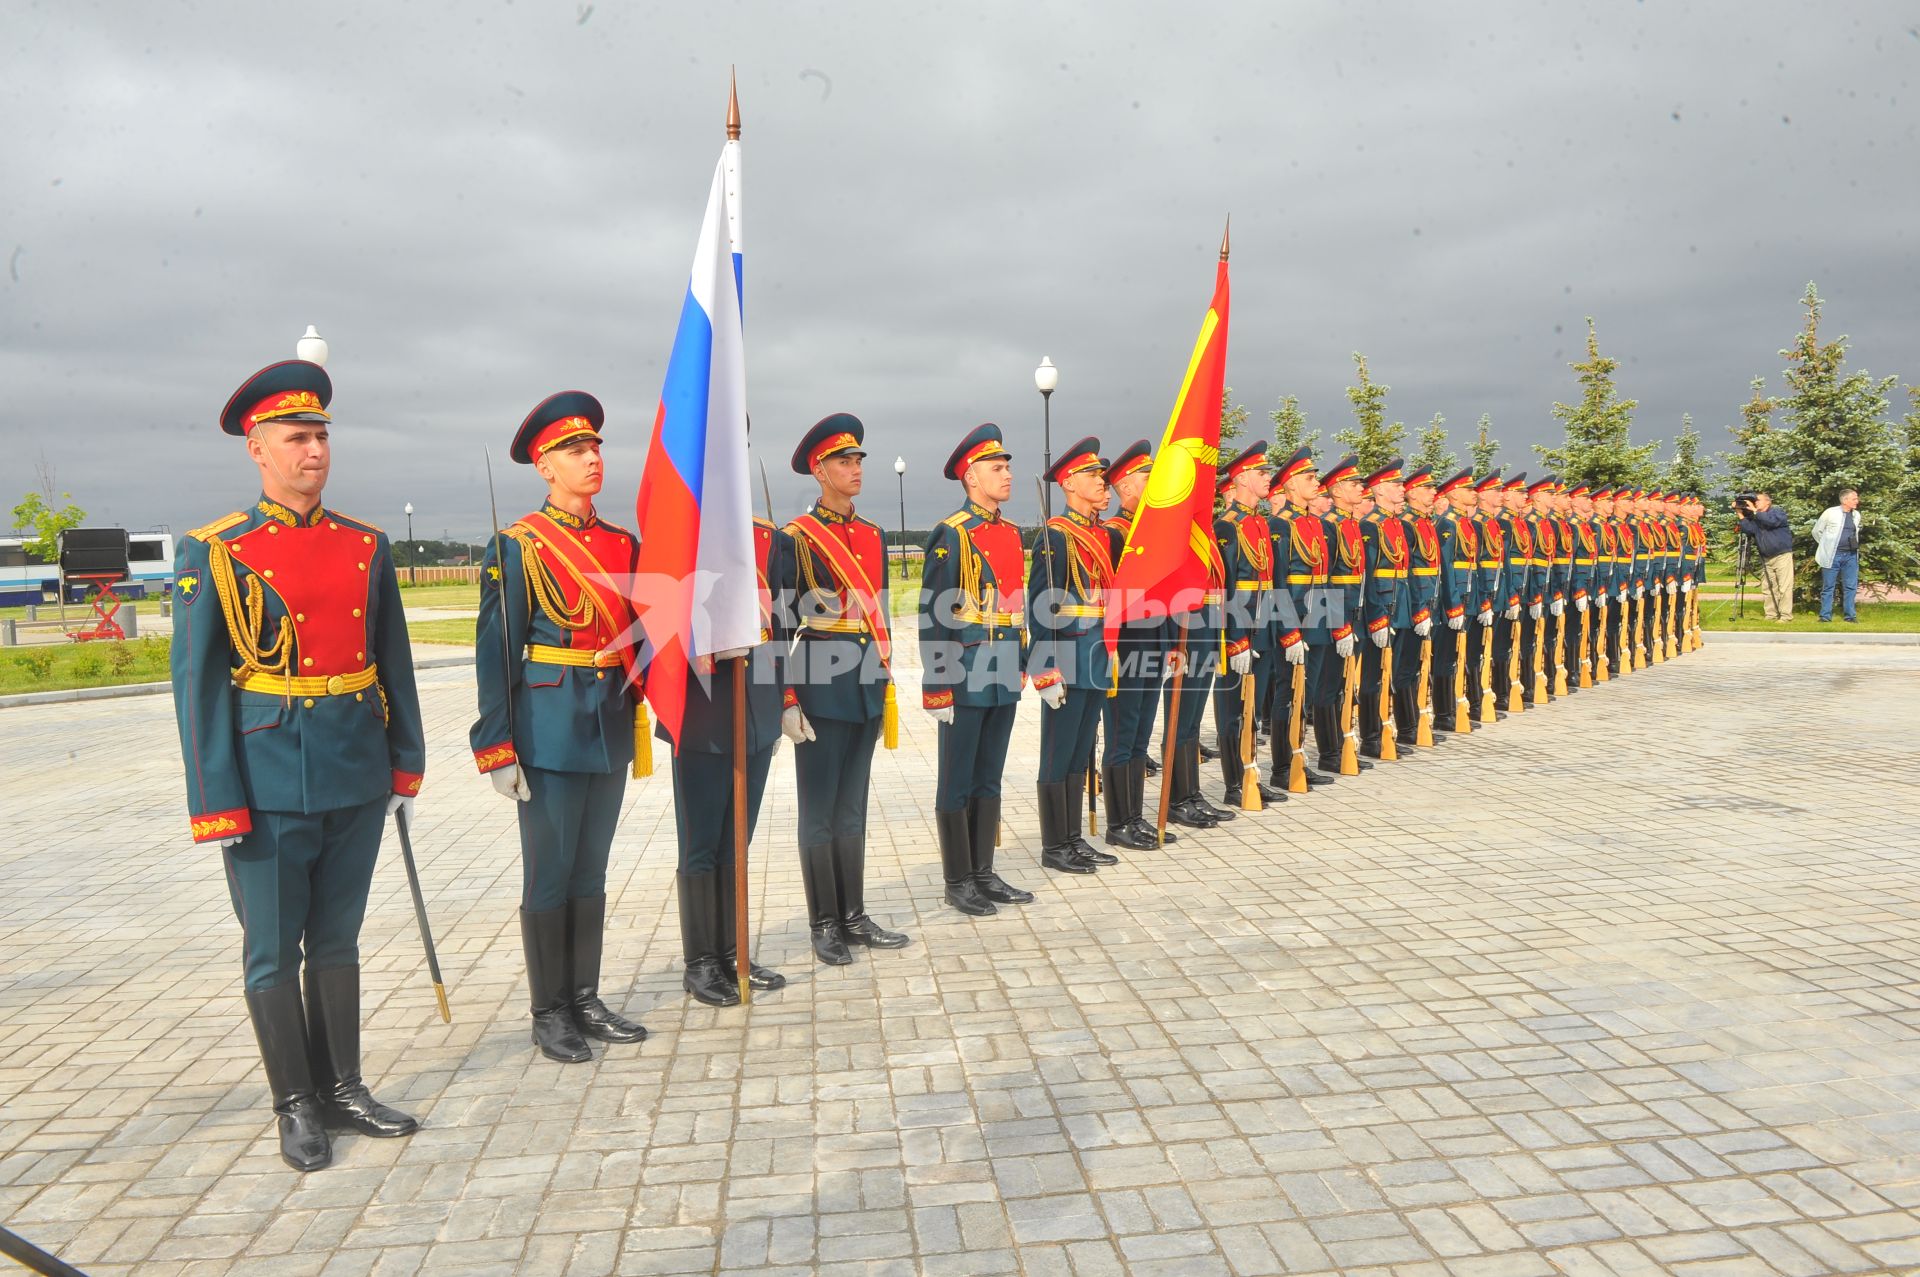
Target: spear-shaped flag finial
1226, 237
733, 107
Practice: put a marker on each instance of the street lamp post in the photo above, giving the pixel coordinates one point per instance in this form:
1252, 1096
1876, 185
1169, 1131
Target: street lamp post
1045, 378
413, 550
900, 469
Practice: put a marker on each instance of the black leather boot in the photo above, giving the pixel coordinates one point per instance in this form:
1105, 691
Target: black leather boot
544, 937
1406, 716
1152, 765
1076, 804
1056, 848
1326, 737
333, 1046
1123, 810
823, 905
956, 863
1145, 831
706, 978
1200, 800
280, 1027
586, 931
983, 826
765, 979
1183, 800
850, 880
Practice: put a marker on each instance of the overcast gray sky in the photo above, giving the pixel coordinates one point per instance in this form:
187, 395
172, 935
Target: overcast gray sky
481, 203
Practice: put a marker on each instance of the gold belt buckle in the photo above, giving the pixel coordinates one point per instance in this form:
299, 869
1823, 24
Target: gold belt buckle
336, 685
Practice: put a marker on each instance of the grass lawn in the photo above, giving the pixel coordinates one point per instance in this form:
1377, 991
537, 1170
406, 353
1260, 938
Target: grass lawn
460, 594
53, 667
1875, 618
458, 631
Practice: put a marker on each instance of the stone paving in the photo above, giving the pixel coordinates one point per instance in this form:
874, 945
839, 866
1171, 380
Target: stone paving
1628, 985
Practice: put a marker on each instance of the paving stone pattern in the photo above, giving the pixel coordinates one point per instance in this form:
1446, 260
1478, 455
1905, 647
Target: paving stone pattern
1628, 985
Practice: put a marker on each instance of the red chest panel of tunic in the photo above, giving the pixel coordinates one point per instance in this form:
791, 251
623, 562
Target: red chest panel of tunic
1353, 546
999, 545
1469, 538
1393, 541
1257, 544
612, 556
1427, 538
1522, 538
1310, 539
1496, 539
1543, 538
322, 575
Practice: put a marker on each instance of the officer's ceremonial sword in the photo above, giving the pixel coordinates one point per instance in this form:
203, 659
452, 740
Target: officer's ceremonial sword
420, 913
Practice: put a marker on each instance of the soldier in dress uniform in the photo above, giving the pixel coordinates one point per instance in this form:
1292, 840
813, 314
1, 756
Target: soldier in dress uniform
1423, 588
1484, 644
1073, 565
1646, 577
1198, 637
1141, 655
703, 793
300, 731
1513, 651
1562, 673
1606, 576
1246, 551
972, 651
1387, 604
1576, 511
1632, 591
1302, 576
556, 721
1550, 578
1458, 599
833, 589
1346, 584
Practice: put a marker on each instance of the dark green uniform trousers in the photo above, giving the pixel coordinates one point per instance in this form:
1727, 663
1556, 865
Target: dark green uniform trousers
299, 886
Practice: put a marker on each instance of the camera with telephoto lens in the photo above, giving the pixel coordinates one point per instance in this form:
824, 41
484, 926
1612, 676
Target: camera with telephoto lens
1743, 502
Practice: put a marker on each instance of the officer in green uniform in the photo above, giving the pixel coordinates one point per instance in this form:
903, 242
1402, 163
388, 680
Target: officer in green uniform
703, 794
300, 732
1073, 567
1605, 582
1536, 658
556, 723
1576, 527
1346, 586
834, 590
1245, 539
1455, 600
1301, 635
1499, 600
1386, 603
1197, 636
1141, 659
1513, 669
972, 653
1423, 590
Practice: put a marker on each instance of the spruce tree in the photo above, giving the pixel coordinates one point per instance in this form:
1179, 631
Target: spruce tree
1485, 449
1373, 440
1596, 448
1434, 453
1290, 433
1685, 473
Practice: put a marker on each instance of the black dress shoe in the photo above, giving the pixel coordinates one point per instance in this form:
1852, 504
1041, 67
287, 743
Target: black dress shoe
1153, 765
596, 1020
1000, 891
707, 980
1064, 860
828, 946
1208, 753
543, 935
765, 979
966, 897
1191, 815
1130, 836
586, 928
333, 1045
864, 930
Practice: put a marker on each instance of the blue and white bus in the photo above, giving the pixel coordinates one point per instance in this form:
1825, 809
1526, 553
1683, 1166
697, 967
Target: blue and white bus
27, 578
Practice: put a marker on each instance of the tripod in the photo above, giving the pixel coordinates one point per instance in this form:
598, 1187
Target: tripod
1740, 580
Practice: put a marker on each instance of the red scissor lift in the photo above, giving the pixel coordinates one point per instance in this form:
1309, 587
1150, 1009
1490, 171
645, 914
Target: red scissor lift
96, 557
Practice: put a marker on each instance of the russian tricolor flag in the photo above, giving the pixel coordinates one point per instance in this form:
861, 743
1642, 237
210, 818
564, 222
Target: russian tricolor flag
694, 512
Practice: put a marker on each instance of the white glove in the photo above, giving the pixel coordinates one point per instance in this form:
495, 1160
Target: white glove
231, 842
1241, 662
1423, 628
942, 715
1623, 596
1344, 647
1673, 587
1297, 654
1513, 612
1457, 623
1054, 694
1486, 619
1686, 585
510, 782
402, 803
1559, 607
794, 725
1534, 610
1580, 604
1639, 591
1382, 636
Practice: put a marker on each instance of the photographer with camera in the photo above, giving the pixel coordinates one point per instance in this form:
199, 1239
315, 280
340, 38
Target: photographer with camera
1773, 541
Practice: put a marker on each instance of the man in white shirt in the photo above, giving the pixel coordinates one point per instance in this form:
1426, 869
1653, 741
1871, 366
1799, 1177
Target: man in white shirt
1836, 535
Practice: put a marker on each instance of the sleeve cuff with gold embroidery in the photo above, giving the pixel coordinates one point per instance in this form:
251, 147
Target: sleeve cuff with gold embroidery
937, 700
1047, 679
237, 823
1377, 624
1345, 631
407, 783
1424, 614
1458, 609
1237, 646
494, 757
789, 699
1290, 638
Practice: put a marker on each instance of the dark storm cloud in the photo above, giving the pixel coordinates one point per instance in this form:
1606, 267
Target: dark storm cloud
479, 204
